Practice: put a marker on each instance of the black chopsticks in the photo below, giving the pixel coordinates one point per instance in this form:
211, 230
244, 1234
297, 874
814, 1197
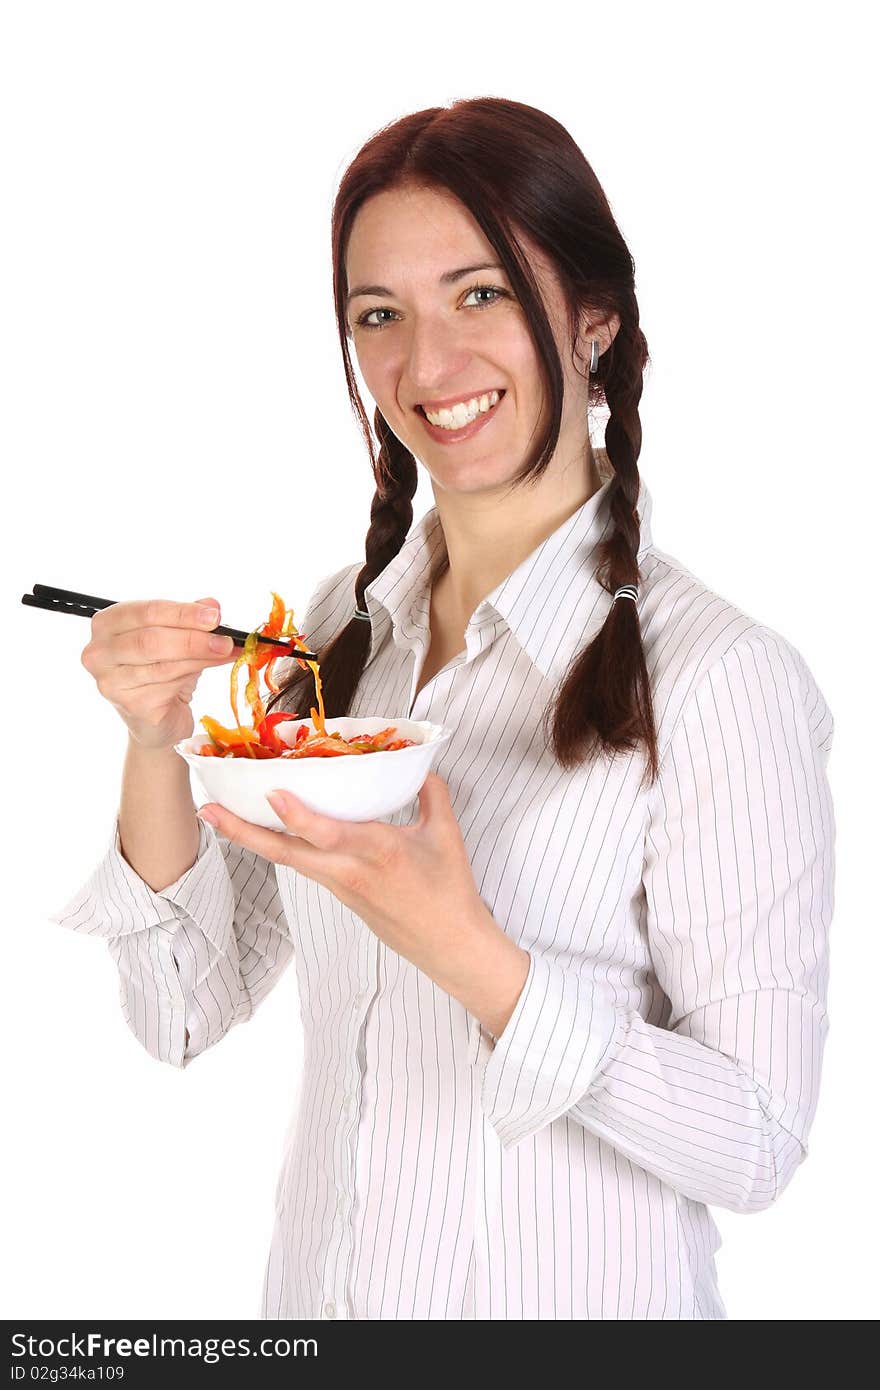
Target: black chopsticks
86, 606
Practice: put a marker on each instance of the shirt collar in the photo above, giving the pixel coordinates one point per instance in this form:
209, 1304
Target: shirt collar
548, 602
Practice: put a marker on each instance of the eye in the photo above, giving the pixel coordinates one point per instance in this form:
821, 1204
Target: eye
486, 289
362, 320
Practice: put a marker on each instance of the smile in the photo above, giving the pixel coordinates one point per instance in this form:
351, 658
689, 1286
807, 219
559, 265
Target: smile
452, 433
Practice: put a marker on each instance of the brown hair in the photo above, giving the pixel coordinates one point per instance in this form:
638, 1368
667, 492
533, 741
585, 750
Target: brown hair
512, 165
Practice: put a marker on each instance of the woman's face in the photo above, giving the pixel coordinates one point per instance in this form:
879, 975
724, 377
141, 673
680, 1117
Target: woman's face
421, 340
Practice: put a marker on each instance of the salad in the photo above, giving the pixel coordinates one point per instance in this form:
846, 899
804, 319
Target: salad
262, 739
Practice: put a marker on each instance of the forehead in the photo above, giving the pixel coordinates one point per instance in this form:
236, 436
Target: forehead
413, 229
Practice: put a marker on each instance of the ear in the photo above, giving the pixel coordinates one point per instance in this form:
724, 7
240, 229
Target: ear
602, 331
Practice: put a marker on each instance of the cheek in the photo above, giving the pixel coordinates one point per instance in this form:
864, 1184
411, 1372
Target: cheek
381, 373
526, 357
515, 354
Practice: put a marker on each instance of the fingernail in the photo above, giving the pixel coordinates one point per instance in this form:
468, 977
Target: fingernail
209, 816
277, 800
209, 616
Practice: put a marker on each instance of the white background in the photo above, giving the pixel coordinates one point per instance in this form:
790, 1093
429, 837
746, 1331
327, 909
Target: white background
175, 424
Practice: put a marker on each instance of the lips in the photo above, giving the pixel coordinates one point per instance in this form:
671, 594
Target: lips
480, 421
476, 395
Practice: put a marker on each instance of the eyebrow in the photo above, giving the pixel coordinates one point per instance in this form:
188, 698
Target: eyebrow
448, 279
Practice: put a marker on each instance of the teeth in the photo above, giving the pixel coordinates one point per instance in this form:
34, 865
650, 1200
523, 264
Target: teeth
464, 412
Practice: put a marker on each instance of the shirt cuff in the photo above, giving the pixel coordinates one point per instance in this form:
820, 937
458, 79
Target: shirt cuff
563, 1030
115, 901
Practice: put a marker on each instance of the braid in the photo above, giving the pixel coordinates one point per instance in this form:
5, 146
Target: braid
623, 442
391, 512
605, 697
342, 659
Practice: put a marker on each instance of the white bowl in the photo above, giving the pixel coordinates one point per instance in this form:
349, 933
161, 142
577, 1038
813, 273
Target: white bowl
350, 787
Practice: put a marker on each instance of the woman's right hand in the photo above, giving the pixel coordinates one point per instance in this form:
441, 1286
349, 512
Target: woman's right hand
146, 658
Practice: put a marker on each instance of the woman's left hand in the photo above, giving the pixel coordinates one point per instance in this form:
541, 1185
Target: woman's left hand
412, 885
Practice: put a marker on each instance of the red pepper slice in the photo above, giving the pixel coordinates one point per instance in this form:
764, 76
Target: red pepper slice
266, 729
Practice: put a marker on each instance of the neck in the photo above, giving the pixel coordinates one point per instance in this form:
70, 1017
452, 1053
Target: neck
489, 533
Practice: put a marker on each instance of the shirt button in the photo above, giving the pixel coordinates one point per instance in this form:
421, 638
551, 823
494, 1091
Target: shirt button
329, 1310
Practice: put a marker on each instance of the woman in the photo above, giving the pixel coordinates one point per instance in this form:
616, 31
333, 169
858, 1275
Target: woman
577, 994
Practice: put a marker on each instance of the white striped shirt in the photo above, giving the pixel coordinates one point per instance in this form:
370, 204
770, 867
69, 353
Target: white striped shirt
664, 1054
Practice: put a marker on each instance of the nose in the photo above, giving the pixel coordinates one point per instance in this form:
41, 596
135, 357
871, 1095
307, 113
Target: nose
437, 359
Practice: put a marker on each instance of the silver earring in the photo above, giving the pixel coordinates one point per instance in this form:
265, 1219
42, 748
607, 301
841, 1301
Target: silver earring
594, 357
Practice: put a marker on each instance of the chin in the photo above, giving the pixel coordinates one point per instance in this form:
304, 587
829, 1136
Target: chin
478, 477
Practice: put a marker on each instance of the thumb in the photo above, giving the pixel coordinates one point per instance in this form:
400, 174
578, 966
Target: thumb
434, 796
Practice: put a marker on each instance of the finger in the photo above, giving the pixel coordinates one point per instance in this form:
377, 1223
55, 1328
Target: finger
129, 677
280, 846
154, 612
434, 800
157, 647
356, 839
148, 644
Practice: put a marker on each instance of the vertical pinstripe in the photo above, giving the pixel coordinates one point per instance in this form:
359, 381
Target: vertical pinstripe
664, 1055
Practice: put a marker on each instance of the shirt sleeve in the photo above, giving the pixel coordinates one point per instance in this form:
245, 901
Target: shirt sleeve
738, 894
199, 957
196, 958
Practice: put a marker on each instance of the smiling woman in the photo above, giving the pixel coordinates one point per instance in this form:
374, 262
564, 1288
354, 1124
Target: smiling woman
457, 312
577, 994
